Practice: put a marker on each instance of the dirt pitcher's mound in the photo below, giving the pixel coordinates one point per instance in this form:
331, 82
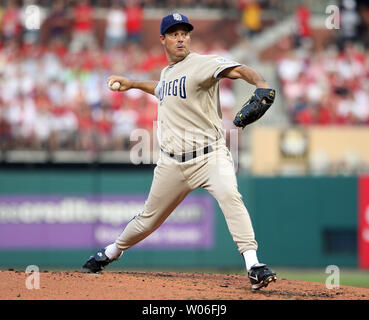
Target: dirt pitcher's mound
161, 286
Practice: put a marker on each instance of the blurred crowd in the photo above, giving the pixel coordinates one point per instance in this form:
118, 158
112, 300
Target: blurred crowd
78, 24
326, 87
53, 92
52, 98
55, 57
329, 86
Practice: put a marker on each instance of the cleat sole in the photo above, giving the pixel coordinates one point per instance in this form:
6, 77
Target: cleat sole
265, 283
87, 270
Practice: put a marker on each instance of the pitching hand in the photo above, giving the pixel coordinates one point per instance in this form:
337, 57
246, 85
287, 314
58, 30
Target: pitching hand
125, 83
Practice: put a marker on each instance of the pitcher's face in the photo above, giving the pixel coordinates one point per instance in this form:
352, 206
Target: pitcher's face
176, 43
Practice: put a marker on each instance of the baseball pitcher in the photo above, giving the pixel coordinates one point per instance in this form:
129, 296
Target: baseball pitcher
192, 143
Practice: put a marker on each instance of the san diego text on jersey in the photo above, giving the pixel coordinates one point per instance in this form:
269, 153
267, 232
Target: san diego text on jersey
176, 87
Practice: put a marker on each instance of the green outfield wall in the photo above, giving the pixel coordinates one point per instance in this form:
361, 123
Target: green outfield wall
298, 221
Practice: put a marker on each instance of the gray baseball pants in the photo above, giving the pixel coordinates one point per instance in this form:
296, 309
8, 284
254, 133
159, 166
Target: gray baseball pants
174, 180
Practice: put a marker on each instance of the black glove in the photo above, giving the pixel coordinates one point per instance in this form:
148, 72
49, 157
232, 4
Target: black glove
254, 108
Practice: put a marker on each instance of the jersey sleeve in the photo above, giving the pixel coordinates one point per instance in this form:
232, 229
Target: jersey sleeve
157, 90
216, 64
212, 66
221, 64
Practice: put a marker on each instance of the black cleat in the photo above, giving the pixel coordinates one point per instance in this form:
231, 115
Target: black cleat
260, 276
97, 262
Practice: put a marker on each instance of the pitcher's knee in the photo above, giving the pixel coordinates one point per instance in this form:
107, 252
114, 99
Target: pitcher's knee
134, 232
228, 194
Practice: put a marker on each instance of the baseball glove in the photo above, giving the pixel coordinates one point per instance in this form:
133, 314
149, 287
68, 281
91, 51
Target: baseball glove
255, 107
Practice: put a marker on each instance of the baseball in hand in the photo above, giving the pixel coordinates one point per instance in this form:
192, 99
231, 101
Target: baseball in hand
114, 86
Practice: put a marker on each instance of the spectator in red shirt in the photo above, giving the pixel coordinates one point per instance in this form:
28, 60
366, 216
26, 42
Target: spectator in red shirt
303, 29
134, 15
11, 26
83, 29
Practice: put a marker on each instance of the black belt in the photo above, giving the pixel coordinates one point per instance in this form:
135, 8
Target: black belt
189, 155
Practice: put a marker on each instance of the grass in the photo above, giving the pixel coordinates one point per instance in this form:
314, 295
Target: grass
347, 277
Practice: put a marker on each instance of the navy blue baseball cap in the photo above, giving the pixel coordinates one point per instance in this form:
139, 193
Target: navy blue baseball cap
173, 19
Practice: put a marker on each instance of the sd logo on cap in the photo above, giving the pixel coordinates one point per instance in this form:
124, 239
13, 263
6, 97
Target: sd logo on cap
173, 19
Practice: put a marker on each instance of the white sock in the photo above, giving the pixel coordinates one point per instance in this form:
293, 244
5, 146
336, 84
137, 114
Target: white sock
250, 258
112, 251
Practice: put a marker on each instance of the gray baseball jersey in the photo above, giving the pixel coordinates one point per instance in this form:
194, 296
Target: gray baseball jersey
189, 112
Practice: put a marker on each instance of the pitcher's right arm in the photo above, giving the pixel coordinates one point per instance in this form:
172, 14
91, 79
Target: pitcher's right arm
126, 84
